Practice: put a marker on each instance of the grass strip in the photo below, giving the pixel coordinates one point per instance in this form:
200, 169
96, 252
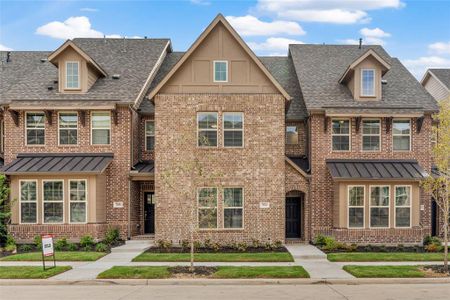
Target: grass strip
122, 272
28, 272
261, 272
59, 255
385, 271
382, 256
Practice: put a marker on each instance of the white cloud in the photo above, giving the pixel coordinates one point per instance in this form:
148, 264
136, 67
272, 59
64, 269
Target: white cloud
89, 9
375, 33
4, 48
418, 66
249, 25
71, 28
440, 47
273, 45
349, 41
370, 36
200, 2
327, 11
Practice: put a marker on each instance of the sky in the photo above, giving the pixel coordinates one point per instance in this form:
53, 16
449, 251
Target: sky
417, 32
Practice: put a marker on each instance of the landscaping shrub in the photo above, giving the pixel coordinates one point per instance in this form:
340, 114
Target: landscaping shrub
61, 244
242, 247
5, 210
72, 247
432, 240
185, 244
197, 245
256, 244
207, 244
25, 248
112, 236
320, 240
215, 247
101, 247
38, 242
86, 242
10, 243
278, 244
164, 244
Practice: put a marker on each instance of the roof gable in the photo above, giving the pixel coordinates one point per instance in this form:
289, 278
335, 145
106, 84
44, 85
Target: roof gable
197, 46
441, 75
53, 57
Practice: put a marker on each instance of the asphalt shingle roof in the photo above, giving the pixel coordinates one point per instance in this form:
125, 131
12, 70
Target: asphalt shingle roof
26, 77
443, 75
319, 68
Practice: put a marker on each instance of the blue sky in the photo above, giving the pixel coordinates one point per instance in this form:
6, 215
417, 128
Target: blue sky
417, 32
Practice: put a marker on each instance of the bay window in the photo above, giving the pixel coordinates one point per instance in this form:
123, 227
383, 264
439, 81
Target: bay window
100, 128
77, 200
232, 207
207, 129
403, 206
53, 201
28, 201
356, 206
35, 128
207, 208
233, 129
379, 206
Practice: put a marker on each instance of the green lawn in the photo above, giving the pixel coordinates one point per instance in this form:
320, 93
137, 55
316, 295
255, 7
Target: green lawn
385, 271
385, 256
30, 272
261, 272
141, 272
216, 257
119, 272
60, 256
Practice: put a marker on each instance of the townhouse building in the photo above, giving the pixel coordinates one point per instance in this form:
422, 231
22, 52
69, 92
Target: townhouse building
330, 139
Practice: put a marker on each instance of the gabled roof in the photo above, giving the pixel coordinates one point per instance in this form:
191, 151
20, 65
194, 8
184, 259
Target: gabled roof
28, 75
219, 19
53, 57
441, 75
386, 66
319, 68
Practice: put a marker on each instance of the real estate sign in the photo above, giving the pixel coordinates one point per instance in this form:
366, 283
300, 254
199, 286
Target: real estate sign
47, 245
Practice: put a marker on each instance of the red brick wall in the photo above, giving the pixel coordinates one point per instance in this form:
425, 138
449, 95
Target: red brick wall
300, 148
322, 187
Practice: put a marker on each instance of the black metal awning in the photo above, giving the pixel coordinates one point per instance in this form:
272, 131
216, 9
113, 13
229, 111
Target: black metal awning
349, 169
44, 163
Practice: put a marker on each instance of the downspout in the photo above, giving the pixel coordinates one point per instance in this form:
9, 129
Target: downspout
131, 165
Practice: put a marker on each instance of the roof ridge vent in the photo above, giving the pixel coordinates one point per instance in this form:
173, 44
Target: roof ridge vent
115, 76
43, 60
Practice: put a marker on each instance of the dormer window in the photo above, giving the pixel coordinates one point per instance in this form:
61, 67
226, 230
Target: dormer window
368, 82
220, 71
72, 75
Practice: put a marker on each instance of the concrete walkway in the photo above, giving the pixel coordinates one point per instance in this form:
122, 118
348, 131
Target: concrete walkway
119, 256
316, 263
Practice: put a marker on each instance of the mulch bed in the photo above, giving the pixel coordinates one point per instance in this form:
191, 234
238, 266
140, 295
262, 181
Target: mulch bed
435, 271
381, 249
180, 271
220, 250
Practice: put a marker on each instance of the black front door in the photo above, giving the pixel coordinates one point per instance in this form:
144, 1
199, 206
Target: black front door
149, 212
293, 214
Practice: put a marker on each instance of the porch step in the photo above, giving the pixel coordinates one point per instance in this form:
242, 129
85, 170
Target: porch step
143, 237
133, 246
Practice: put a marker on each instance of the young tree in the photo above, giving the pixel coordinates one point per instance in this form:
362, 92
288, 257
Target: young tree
5, 210
438, 184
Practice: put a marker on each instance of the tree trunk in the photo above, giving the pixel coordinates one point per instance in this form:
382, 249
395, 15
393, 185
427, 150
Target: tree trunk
191, 268
446, 243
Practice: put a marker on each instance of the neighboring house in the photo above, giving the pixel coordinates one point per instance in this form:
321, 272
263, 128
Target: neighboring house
327, 140
437, 83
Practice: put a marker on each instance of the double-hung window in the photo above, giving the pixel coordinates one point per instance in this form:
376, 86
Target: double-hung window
401, 135
379, 206
356, 206
101, 128
341, 135
207, 208
77, 199
291, 135
403, 206
149, 135
368, 82
53, 201
35, 127
233, 129
72, 75
68, 128
207, 129
220, 71
232, 207
371, 135
28, 201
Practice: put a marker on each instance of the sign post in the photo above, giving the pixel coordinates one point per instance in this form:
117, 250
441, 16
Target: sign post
47, 249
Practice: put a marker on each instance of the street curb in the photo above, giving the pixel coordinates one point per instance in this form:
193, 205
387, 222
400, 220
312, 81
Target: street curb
201, 281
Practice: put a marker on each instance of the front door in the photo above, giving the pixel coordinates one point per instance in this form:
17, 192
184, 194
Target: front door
293, 214
149, 212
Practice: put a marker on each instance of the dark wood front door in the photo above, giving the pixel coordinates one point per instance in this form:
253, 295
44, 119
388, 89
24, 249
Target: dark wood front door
149, 212
293, 213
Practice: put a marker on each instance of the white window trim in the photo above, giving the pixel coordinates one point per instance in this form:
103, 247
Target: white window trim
363, 135
349, 206
410, 205
410, 134
63, 200
208, 129
296, 131
79, 77
340, 134
26, 128
362, 83
2, 136
147, 135
232, 207
20, 201
388, 206
205, 207
86, 201
109, 127
214, 70
233, 129
59, 129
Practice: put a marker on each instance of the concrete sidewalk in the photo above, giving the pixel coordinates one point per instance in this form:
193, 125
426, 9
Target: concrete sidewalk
119, 256
316, 263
